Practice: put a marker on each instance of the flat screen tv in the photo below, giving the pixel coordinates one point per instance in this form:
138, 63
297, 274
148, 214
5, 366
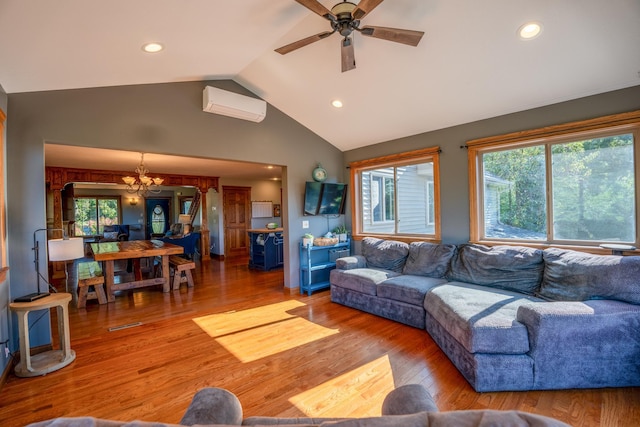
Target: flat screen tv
324, 198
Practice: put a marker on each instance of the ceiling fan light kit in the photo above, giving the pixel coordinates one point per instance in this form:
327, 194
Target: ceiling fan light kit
345, 19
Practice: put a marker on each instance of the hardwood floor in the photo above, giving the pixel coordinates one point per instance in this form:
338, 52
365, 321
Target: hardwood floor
282, 354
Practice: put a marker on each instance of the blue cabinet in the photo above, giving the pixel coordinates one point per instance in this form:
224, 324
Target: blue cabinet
265, 249
316, 263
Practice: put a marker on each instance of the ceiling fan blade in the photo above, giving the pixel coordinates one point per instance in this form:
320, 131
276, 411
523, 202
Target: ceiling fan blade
348, 56
303, 42
316, 7
410, 37
364, 7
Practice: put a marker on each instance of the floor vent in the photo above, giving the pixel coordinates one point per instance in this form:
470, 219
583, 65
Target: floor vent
128, 325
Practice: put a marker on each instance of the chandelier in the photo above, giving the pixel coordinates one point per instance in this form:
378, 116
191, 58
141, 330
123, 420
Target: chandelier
143, 184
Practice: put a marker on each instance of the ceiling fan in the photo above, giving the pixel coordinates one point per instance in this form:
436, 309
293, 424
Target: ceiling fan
345, 19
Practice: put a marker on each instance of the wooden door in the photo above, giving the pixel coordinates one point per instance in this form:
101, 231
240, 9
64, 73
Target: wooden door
236, 202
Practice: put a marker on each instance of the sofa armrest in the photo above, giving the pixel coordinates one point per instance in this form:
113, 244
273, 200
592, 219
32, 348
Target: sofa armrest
582, 332
408, 399
351, 262
574, 314
213, 405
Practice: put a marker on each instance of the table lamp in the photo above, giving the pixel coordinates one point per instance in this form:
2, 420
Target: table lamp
64, 249
185, 220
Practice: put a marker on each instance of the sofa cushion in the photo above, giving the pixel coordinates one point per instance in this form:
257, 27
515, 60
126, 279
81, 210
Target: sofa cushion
578, 276
408, 288
469, 418
513, 268
386, 254
482, 319
362, 280
428, 259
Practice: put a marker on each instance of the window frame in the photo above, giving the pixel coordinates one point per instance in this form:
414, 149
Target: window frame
118, 199
382, 187
183, 201
3, 221
574, 131
430, 154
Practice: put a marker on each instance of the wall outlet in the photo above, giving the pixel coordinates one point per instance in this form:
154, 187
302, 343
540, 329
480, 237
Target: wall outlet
305, 224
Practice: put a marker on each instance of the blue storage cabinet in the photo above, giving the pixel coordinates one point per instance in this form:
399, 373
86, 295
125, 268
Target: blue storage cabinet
316, 263
266, 249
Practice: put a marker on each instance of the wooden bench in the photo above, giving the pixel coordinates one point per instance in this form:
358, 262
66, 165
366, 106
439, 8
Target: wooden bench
90, 276
181, 271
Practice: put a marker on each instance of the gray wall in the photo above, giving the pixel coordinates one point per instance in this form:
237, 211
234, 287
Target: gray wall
454, 180
160, 118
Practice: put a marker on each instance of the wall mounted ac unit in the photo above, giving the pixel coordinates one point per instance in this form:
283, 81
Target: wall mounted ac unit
231, 104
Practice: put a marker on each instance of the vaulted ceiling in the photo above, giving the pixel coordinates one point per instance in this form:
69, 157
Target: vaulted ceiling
469, 65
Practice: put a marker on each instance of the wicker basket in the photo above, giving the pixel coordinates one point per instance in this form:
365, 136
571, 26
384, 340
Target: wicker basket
325, 241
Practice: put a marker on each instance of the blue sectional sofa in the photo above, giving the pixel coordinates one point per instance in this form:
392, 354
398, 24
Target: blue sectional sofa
508, 317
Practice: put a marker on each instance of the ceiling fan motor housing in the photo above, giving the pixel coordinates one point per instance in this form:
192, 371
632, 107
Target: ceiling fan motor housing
344, 22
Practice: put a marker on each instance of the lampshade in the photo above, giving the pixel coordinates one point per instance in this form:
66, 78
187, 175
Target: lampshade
65, 250
184, 219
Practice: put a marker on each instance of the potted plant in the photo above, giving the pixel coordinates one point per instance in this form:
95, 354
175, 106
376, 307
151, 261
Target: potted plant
341, 232
307, 240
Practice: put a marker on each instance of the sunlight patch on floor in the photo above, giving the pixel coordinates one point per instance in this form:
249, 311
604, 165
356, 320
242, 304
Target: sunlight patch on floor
263, 331
360, 391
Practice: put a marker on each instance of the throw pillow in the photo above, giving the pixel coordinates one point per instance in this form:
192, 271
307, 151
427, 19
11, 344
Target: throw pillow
578, 276
428, 259
386, 254
513, 268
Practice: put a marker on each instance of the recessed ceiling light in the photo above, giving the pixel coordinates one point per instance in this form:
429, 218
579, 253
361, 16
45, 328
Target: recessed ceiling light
530, 30
152, 47
336, 103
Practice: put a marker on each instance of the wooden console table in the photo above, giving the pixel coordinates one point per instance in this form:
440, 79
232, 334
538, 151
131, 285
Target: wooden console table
52, 360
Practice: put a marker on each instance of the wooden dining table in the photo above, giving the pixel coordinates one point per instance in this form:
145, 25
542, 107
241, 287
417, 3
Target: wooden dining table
109, 252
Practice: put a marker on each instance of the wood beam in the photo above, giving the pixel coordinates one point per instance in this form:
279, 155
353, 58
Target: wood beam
58, 177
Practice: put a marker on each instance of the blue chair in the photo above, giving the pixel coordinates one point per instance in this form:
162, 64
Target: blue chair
189, 242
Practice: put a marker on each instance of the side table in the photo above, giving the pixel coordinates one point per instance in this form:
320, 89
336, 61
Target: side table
48, 361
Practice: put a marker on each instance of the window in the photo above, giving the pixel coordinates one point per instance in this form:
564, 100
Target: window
93, 213
397, 195
158, 220
185, 204
560, 185
382, 195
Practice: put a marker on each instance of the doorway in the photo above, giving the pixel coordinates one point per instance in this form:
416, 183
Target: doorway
236, 202
158, 216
